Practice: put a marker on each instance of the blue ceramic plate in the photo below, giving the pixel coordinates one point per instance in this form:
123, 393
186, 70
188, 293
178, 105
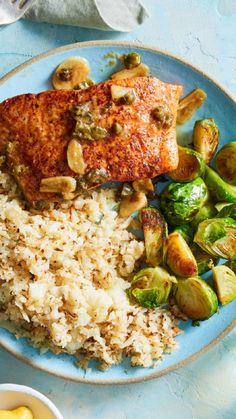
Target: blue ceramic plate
34, 76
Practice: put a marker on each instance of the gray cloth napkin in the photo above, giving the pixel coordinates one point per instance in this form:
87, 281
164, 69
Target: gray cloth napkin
117, 15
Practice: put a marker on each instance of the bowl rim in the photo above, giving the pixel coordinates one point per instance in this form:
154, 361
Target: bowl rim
18, 388
232, 325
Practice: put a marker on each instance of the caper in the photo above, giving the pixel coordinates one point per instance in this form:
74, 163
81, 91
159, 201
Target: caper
117, 128
65, 74
19, 169
164, 118
82, 131
81, 184
98, 132
129, 98
8, 148
132, 60
97, 176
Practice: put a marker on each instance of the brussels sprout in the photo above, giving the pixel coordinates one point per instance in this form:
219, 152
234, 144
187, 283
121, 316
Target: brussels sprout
224, 281
207, 211
206, 138
191, 165
226, 163
178, 256
217, 236
132, 203
219, 189
228, 210
155, 232
232, 265
186, 231
189, 104
196, 298
151, 287
181, 201
204, 262
221, 205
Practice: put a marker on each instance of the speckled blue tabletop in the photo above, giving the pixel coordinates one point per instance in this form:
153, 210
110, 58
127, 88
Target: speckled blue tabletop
204, 33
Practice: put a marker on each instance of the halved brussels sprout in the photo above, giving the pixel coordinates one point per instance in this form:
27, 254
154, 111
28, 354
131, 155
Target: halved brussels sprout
132, 203
217, 236
196, 298
226, 163
224, 281
228, 210
204, 261
178, 256
219, 189
181, 201
186, 231
151, 287
155, 232
189, 104
206, 138
207, 211
190, 166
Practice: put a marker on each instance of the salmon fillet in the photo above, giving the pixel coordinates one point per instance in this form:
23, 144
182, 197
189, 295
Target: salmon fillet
38, 128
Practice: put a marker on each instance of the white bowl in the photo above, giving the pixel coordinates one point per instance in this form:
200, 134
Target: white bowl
14, 395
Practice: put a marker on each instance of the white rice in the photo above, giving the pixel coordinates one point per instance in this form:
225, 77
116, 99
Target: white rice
63, 276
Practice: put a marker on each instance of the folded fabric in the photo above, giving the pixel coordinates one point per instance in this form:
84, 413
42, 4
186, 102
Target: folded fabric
117, 15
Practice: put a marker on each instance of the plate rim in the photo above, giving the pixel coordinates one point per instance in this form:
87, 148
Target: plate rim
146, 376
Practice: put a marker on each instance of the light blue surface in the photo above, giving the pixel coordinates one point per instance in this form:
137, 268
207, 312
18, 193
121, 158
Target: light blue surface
36, 78
206, 388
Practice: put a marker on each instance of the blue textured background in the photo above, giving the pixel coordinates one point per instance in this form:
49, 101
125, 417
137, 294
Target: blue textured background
203, 32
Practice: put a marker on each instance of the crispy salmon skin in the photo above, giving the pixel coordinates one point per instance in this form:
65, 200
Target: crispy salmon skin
37, 128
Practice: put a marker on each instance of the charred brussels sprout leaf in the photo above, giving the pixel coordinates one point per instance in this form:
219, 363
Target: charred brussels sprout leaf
186, 231
219, 189
224, 280
196, 298
217, 236
191, 165
178, 256
226, 163
204, 261
206, 138
155, 232
151, 287
207, 211
181, 201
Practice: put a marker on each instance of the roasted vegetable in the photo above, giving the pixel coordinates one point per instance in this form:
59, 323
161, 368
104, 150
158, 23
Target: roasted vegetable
181, 201
204, 261
70, 73
224, 281
226, 163
155, 232
206, 138
220, 205
196, 298
228, 210
189, 104
143, 185
219, 189
232, 265
186, 231
178, 256
191, 165
151, 287
132, 203
207, 211
217, 236
141, 70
